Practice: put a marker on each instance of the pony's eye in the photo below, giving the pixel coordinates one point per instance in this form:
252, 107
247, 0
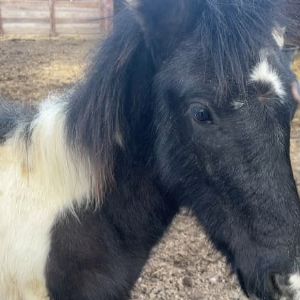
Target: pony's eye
201, 115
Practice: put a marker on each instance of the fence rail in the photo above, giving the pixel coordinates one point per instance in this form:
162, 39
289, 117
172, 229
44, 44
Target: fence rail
55, 17
83, 17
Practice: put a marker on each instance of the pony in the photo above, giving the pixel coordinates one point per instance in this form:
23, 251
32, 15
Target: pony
187, 104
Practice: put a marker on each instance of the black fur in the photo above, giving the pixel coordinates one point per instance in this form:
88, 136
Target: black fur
134, 118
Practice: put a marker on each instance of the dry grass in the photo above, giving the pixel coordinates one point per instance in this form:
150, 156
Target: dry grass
31, 69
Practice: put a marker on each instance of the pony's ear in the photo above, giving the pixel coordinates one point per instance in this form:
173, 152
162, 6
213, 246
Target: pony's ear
164, 23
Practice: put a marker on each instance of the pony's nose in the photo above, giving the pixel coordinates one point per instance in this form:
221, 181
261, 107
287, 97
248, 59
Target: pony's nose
287, 286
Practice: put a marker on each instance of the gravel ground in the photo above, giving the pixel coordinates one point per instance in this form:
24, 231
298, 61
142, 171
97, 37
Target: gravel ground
184, 265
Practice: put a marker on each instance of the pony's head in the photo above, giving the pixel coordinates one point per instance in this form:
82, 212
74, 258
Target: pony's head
200, 93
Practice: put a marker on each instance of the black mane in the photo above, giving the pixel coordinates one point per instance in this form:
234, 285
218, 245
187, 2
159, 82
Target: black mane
112, 108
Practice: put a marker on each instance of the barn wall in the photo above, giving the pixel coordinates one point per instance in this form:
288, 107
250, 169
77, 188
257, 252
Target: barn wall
55, 17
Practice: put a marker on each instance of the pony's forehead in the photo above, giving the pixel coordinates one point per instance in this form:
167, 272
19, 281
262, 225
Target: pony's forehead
191, 71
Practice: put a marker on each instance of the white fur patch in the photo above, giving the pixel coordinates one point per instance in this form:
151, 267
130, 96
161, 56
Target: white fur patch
264, 72
38, 182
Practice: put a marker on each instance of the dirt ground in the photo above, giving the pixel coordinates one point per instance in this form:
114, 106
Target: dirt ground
184, 266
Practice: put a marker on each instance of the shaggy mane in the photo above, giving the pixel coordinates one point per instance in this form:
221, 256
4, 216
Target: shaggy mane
113, 107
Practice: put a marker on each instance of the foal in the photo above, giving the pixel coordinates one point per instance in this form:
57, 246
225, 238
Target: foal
187, 104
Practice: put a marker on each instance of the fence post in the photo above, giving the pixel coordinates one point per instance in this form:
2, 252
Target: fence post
1, 23
107, 12
102, 13
52, 18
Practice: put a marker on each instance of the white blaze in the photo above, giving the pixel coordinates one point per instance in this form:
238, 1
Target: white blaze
265, 73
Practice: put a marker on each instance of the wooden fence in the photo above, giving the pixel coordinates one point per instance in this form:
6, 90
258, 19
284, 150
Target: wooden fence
62, 17
55, 17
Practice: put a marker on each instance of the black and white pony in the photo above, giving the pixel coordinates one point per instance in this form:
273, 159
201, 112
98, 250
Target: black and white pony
187, 104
